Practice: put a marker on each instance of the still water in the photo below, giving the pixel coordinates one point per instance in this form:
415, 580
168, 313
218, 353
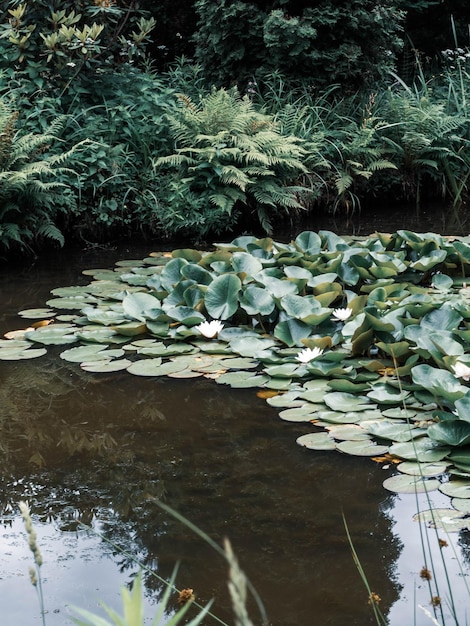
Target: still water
99, 449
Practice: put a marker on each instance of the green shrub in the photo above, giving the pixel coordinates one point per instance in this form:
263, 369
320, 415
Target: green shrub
233, 162
349, 42
31, 193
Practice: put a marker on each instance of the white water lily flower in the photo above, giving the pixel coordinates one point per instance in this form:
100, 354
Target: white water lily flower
210, 329
462, 371
308, 354
342, 314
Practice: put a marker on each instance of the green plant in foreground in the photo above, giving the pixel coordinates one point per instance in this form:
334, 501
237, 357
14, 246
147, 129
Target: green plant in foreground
133, 608
235, 160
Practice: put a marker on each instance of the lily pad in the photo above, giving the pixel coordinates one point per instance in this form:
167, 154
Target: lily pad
106, 366
461, 504
361, 448
348, 432
347, 402
422, 469
242, 380
404, 483
146, 367
423, 450
21, 354
33, 314
456, 488
304, 413
82, 353
449, 520
55, 335
316, 441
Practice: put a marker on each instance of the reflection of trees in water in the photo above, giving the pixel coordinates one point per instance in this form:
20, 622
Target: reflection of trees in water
219, 457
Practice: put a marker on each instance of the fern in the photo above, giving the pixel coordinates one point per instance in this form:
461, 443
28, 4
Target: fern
31, 184
235, 156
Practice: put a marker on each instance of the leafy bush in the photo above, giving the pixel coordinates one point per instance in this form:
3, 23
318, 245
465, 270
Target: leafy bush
31, 193
349, 42
232, 161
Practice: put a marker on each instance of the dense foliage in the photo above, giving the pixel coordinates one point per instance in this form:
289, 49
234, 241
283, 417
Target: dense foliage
324, 42
153, 166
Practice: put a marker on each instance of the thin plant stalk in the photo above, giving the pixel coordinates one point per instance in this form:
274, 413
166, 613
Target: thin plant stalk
34, 572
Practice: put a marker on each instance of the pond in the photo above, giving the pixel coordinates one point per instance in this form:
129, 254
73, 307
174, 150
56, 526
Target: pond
102, 449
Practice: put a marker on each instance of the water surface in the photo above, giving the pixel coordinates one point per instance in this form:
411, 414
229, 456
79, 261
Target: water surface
101, 449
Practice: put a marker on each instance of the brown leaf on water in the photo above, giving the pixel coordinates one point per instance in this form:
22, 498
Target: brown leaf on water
267, 393
386, 458
42, 323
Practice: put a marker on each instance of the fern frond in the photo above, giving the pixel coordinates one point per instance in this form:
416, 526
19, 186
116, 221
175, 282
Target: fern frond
343, 182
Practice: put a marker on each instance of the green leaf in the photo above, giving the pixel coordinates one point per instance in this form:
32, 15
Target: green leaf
221, 297
346, 402
424, 450
402, 483
56, 335
438, 382
456, 488
292, 331
448, 520
308, 242
317, 441
451, 433
141, 306
422, 469
361, 448
257, 301
384, 394
394, 432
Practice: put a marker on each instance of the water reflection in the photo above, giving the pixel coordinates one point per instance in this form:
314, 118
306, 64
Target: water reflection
222, 459
100, 448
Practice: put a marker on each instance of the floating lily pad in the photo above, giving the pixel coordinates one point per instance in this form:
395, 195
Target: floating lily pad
15, 343
404, 483
316, 441
394, 432
337, 417
456, 488
82, 353
20, 354
106, 366
449, 520
186, 373
423, 450
161, 349
33, 314
347, 402
348, 432
56, 335
213, 347
77, 302
287, 400
238, 363
461, 504
242, 380
100, 335
399, 413
361, 448
422, 469
146, 367
302, 413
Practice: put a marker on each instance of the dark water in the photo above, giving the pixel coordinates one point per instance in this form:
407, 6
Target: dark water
101, 448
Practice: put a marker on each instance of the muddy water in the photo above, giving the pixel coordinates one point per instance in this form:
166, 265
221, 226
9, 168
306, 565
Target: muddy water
101, 449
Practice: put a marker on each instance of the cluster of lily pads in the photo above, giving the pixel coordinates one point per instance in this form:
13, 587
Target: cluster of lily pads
363, 340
